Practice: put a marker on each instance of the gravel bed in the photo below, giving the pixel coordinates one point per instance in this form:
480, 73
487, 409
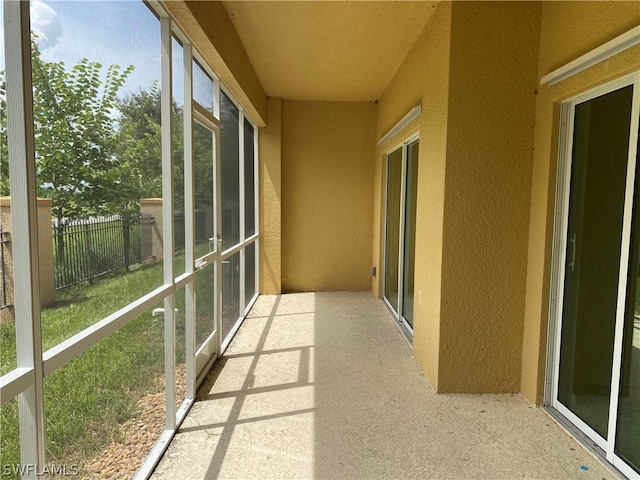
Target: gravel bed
121, 460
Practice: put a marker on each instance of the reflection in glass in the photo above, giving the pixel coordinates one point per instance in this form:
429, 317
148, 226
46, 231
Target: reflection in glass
230, 145
249, 182
392, 234
205, 304
230, 293
596, 204
203, 158
250, 273
410, 232
628, 429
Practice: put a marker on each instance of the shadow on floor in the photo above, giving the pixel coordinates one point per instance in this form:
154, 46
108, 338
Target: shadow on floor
323, 385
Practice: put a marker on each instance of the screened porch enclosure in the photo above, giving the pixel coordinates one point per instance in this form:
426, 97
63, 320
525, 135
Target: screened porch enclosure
293, 238
128, 123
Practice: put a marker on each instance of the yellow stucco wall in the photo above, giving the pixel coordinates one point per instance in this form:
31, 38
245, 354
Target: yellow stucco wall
270, 161
327, 191
568, 30
492, 80
474, 71
210, 28
423, 79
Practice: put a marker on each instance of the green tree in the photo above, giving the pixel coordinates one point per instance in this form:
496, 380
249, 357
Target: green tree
76, 137
140, 142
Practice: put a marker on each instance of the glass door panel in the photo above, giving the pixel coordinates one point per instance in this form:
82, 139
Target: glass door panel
628, 427
596, 208
392, 234
410, 235
598, 351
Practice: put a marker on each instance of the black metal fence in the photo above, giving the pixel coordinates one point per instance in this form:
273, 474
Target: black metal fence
200, 228
87, 248
5, 239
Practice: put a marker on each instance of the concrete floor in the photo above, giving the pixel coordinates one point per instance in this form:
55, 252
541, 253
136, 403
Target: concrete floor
323, 385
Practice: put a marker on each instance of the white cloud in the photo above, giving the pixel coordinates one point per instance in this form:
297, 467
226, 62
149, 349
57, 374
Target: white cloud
45, 23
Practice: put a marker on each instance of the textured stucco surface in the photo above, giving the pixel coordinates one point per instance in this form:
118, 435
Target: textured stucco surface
270, 158
492, 81
209, 27
327, 192
474, 71
569, 30
422, 78
330, 51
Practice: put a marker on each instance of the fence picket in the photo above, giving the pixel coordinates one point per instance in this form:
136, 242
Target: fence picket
86, 248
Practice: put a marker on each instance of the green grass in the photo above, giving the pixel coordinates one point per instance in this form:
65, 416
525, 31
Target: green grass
87, 399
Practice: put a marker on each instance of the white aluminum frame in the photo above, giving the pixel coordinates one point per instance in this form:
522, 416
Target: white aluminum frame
597, 55
402, 322
209, 350
26, 381
403, 122
559, 264
244, 242
25, 230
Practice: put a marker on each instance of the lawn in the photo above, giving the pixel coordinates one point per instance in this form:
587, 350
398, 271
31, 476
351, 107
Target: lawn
87, 399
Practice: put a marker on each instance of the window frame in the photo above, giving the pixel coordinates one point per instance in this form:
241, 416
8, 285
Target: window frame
26, 381
605, 446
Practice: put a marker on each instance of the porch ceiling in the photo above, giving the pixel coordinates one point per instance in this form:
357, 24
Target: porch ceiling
328, 50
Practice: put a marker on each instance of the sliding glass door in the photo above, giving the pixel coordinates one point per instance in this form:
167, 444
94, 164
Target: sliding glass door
597, 309
399, 246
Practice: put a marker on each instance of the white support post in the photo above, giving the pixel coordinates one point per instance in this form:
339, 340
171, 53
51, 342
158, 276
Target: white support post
167, 217
218, 221
25, 231
189, 208
256, 208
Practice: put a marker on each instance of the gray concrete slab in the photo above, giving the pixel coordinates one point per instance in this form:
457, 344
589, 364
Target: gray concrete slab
323, 385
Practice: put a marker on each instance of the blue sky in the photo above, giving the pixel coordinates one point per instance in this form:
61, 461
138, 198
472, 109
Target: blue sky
121, 33
110, 32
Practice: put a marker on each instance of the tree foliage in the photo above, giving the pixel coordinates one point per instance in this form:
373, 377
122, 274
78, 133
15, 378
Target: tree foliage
99, 152
76, 137
140, 142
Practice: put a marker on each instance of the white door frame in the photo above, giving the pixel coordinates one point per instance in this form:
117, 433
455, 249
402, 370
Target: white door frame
405, 327
560, 260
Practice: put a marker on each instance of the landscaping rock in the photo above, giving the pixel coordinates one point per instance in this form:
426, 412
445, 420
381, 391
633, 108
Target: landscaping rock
122, 459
